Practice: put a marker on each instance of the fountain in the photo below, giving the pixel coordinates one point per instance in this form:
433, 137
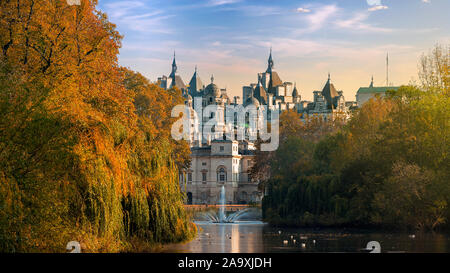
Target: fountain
220, 216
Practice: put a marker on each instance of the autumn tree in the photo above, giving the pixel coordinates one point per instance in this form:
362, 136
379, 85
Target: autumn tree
84, 154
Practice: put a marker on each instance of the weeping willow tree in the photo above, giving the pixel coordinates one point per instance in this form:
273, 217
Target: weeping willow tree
85, 148
388, 166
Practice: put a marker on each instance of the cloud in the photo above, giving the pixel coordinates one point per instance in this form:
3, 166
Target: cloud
254, 10
321, 15
137, 16
378, 7
213, 3
374, 2
357, 22
426, 1
303, 10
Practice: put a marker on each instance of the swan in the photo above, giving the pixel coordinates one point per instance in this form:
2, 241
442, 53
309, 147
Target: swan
374, 246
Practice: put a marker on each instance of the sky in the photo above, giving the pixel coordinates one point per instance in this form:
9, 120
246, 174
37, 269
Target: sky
231, 39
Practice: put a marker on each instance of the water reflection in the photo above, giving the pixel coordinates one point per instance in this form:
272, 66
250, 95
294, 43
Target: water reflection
257, 237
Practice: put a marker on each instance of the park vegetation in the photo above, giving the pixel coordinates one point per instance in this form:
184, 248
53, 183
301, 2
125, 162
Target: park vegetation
85, 147
388, 166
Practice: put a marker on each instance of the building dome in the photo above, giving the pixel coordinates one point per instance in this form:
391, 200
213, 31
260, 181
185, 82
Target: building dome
212, 89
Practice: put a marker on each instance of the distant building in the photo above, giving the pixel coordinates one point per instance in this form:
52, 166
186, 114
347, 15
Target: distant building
271, 90
366, 93
174, 79
327, 103
217, 162
223, 163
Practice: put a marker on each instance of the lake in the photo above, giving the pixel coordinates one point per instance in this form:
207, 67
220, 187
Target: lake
258, 237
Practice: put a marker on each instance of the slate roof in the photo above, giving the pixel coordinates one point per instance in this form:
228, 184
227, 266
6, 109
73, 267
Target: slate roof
330, 94
371, 90
178, 82
196, 84
295, 92
260, 93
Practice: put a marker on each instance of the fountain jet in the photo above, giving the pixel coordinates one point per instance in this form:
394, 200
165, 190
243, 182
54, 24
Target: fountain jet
220, 216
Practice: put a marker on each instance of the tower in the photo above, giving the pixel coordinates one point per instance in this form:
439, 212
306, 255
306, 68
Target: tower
270, 62
387, 69
174, 67
175, 79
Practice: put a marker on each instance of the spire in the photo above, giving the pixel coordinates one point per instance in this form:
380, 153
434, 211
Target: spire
387, 69
295, 91
270, 62
212, 79
371, 83
329, 77
174, 67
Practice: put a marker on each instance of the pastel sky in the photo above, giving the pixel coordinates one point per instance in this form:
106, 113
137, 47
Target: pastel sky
231, 39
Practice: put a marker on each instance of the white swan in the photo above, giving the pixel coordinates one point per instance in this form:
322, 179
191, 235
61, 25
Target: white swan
374, 246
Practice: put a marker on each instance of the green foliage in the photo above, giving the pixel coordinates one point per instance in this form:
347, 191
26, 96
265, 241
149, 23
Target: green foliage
388, 166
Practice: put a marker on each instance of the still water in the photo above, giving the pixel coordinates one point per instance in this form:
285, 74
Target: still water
258, 237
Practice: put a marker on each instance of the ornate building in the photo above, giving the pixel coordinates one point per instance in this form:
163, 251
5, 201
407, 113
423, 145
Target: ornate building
174, 80
223, 163
327, 103
271, 90
219, 161
216, 162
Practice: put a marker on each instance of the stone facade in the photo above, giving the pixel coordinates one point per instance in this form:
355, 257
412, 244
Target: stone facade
223, 163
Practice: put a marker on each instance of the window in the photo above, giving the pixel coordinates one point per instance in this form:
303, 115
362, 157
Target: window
221, 174
203, 163
189, 176
204, 177
222, 148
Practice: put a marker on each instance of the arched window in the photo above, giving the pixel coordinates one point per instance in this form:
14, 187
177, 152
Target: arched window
221, 174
